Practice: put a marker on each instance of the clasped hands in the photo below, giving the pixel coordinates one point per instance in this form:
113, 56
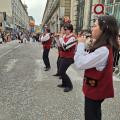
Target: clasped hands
82, 39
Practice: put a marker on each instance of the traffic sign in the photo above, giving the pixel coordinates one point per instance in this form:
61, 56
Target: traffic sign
99, 9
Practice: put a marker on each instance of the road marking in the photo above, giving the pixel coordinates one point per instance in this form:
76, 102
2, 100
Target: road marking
5, 53
10, 64
16, 47
9, 51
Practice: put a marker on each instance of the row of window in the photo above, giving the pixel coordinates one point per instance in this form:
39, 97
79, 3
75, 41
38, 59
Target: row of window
19, 16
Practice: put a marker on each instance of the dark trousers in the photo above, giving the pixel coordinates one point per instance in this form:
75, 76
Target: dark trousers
116, 58
58, 64
64, 64
93, 109
46, 57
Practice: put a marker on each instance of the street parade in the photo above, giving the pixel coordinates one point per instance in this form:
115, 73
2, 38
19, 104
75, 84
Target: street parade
67, 67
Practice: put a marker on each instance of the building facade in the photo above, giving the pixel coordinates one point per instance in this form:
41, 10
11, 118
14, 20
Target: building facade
80, 12
17, 14
111, 7
55, 12
31, 24
74, 13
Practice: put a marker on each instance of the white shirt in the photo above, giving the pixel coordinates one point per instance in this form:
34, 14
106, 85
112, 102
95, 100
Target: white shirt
71, 39
97, 59
46, 37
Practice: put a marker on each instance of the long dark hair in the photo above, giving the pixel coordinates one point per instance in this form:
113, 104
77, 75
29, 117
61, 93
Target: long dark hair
110, 29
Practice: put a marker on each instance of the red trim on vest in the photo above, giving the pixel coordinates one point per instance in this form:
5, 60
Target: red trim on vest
104, 88
47, 44
70, 52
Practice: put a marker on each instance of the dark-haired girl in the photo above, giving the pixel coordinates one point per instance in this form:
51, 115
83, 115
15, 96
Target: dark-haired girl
98, 65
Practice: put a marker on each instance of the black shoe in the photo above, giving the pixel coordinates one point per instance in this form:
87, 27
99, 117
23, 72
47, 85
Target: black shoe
48, 68
56, 74
67, 89
61, 86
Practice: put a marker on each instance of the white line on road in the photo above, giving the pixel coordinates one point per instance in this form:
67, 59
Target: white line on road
5, 53
9, 51
16, 47
10, 65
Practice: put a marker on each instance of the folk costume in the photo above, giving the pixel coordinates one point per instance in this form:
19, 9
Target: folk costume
68, 43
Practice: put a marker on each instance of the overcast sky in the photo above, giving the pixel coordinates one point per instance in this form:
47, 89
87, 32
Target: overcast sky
36, 9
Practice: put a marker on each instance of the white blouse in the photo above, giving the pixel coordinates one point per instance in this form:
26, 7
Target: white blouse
45, 38
84, 60
71, 42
